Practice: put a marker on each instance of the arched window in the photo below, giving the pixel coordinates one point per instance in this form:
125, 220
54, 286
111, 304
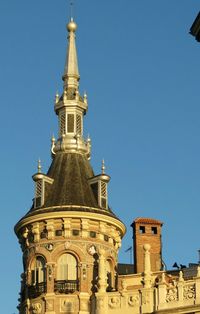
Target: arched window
38, 278
38, 271
67, 267
67, 277
109, 271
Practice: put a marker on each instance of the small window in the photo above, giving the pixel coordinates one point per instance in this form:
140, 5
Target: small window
154, 230
93, 234
43, 234
106, 238
75, 232
142, 229
58, 233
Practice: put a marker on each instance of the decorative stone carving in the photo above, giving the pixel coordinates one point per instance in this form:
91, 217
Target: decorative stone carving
67, 306
114, 302
124, 285
37, 308
91, 249
67, 245
172, 295
49, 247
133, 300
189, 292
145, 298
50, 229
49, 305
50, 270
100, 303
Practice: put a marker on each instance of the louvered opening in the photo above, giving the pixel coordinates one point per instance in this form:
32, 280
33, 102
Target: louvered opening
78, 124
70, 123
62, 124
38, 194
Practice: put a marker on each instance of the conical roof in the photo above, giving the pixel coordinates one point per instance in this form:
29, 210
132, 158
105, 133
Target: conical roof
70, 172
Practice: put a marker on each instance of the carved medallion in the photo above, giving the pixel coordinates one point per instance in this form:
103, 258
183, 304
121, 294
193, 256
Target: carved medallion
67, 245
37, 308
92, 249
49, 247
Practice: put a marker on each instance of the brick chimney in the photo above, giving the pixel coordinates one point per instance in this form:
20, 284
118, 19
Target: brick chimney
147, 231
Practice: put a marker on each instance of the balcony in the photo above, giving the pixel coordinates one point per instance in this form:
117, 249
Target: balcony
36, 290
66, 286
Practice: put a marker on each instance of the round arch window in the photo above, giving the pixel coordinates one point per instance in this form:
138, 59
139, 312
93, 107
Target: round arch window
67, 267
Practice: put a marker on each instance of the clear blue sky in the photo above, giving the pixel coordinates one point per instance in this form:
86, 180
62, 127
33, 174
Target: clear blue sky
140, 68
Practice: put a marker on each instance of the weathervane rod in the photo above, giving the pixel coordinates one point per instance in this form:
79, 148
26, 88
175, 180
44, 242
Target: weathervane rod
71, 9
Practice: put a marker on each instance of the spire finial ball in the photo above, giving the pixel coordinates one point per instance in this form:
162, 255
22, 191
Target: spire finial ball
71, 26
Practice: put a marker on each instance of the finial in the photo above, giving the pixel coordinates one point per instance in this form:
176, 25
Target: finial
39, 166
65, 96
53, 139
85, 97
88, 138
77, 94
57, 97
103, 168
181, 276
71, 10
71, 27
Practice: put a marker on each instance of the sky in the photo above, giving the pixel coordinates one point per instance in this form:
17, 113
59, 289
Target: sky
140, 68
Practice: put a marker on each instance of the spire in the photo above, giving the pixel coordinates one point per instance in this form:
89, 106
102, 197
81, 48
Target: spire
71, 74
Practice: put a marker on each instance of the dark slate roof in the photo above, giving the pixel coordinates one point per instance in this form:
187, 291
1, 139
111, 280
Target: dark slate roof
70, 189
70, 172
195, 28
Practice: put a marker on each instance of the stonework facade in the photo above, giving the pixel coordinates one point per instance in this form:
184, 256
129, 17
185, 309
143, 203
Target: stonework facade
70, 237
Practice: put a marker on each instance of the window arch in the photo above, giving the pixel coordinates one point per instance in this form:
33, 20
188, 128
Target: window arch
67, 274
67, 267
38, 271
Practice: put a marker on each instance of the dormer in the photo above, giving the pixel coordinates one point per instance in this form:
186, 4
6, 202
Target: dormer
99, 185
40, 180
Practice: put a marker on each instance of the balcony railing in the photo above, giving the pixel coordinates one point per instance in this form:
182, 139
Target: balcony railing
66, 286
36, 290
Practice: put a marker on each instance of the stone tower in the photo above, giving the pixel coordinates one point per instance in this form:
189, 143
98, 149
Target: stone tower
70, 237
147, 230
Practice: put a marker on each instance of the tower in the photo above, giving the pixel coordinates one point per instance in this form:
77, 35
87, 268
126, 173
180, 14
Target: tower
70, 237
147, 230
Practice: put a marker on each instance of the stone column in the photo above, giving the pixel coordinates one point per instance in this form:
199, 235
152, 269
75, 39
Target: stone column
147, 291
180, 286
147, 266
101, 295
102, 280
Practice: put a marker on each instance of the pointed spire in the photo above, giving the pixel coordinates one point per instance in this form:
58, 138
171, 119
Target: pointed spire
71, 74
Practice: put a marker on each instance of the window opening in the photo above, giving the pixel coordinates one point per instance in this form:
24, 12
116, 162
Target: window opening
154, 230
142, 229
70, 123
78, 124
62, 124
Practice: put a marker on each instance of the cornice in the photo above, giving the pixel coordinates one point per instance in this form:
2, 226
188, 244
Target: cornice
69, 214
